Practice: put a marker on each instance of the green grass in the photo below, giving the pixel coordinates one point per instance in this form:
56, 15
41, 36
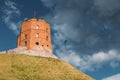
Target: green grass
24, 67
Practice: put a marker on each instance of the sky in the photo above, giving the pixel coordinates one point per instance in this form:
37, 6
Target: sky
84, 33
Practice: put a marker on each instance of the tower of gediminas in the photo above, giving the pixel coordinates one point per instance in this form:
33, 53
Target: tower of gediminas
35, 33
34, 39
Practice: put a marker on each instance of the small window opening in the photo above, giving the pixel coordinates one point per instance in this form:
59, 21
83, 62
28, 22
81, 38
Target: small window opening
47, 46
37, 27
37, 43
42, 45
25, 43
25, 36
37, 35
47, 38
46, 29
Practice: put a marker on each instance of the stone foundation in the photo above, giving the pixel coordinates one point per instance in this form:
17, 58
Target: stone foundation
43, 52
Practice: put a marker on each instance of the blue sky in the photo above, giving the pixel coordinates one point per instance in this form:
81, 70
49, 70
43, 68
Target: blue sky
91, 28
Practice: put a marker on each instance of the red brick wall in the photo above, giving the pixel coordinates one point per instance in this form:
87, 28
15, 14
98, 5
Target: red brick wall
35, 31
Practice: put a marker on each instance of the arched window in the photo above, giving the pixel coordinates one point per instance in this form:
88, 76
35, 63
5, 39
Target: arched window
25, 43
46, 29
46, 38
25, 36
37, 43
37, 35
37, 27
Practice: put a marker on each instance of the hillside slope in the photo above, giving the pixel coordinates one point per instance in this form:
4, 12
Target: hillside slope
23, 67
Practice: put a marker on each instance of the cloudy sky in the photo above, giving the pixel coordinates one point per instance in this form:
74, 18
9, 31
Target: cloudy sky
85, 33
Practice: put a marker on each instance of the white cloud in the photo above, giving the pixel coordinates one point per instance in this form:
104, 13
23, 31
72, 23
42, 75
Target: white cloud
99, 59
71, 57
114, 64
113, 77
11, 12
104, 57
92, 62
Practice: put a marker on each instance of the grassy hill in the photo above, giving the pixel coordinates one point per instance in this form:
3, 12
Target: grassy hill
24, 67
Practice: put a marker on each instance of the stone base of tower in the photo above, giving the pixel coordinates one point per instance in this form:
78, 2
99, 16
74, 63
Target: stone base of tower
38, 51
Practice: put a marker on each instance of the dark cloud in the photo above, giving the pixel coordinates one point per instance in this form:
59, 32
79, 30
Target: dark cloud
89, 26
107, 7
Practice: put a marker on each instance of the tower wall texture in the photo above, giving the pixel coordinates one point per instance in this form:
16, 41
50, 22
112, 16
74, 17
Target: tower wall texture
35, 33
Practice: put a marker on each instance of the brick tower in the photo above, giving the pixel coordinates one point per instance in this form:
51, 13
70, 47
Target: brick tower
35, 33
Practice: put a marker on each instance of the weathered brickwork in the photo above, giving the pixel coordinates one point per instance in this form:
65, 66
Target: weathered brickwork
34, 33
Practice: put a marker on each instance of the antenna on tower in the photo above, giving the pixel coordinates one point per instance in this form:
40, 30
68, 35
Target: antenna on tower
35, 14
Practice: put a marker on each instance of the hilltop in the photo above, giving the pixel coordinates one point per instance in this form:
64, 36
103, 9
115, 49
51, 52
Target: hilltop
24, 67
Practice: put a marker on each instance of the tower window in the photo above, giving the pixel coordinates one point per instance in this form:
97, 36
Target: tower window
46, 29
25, 36
25, 43
37, 35
47, 38
37, 43
37, 27
47, 45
